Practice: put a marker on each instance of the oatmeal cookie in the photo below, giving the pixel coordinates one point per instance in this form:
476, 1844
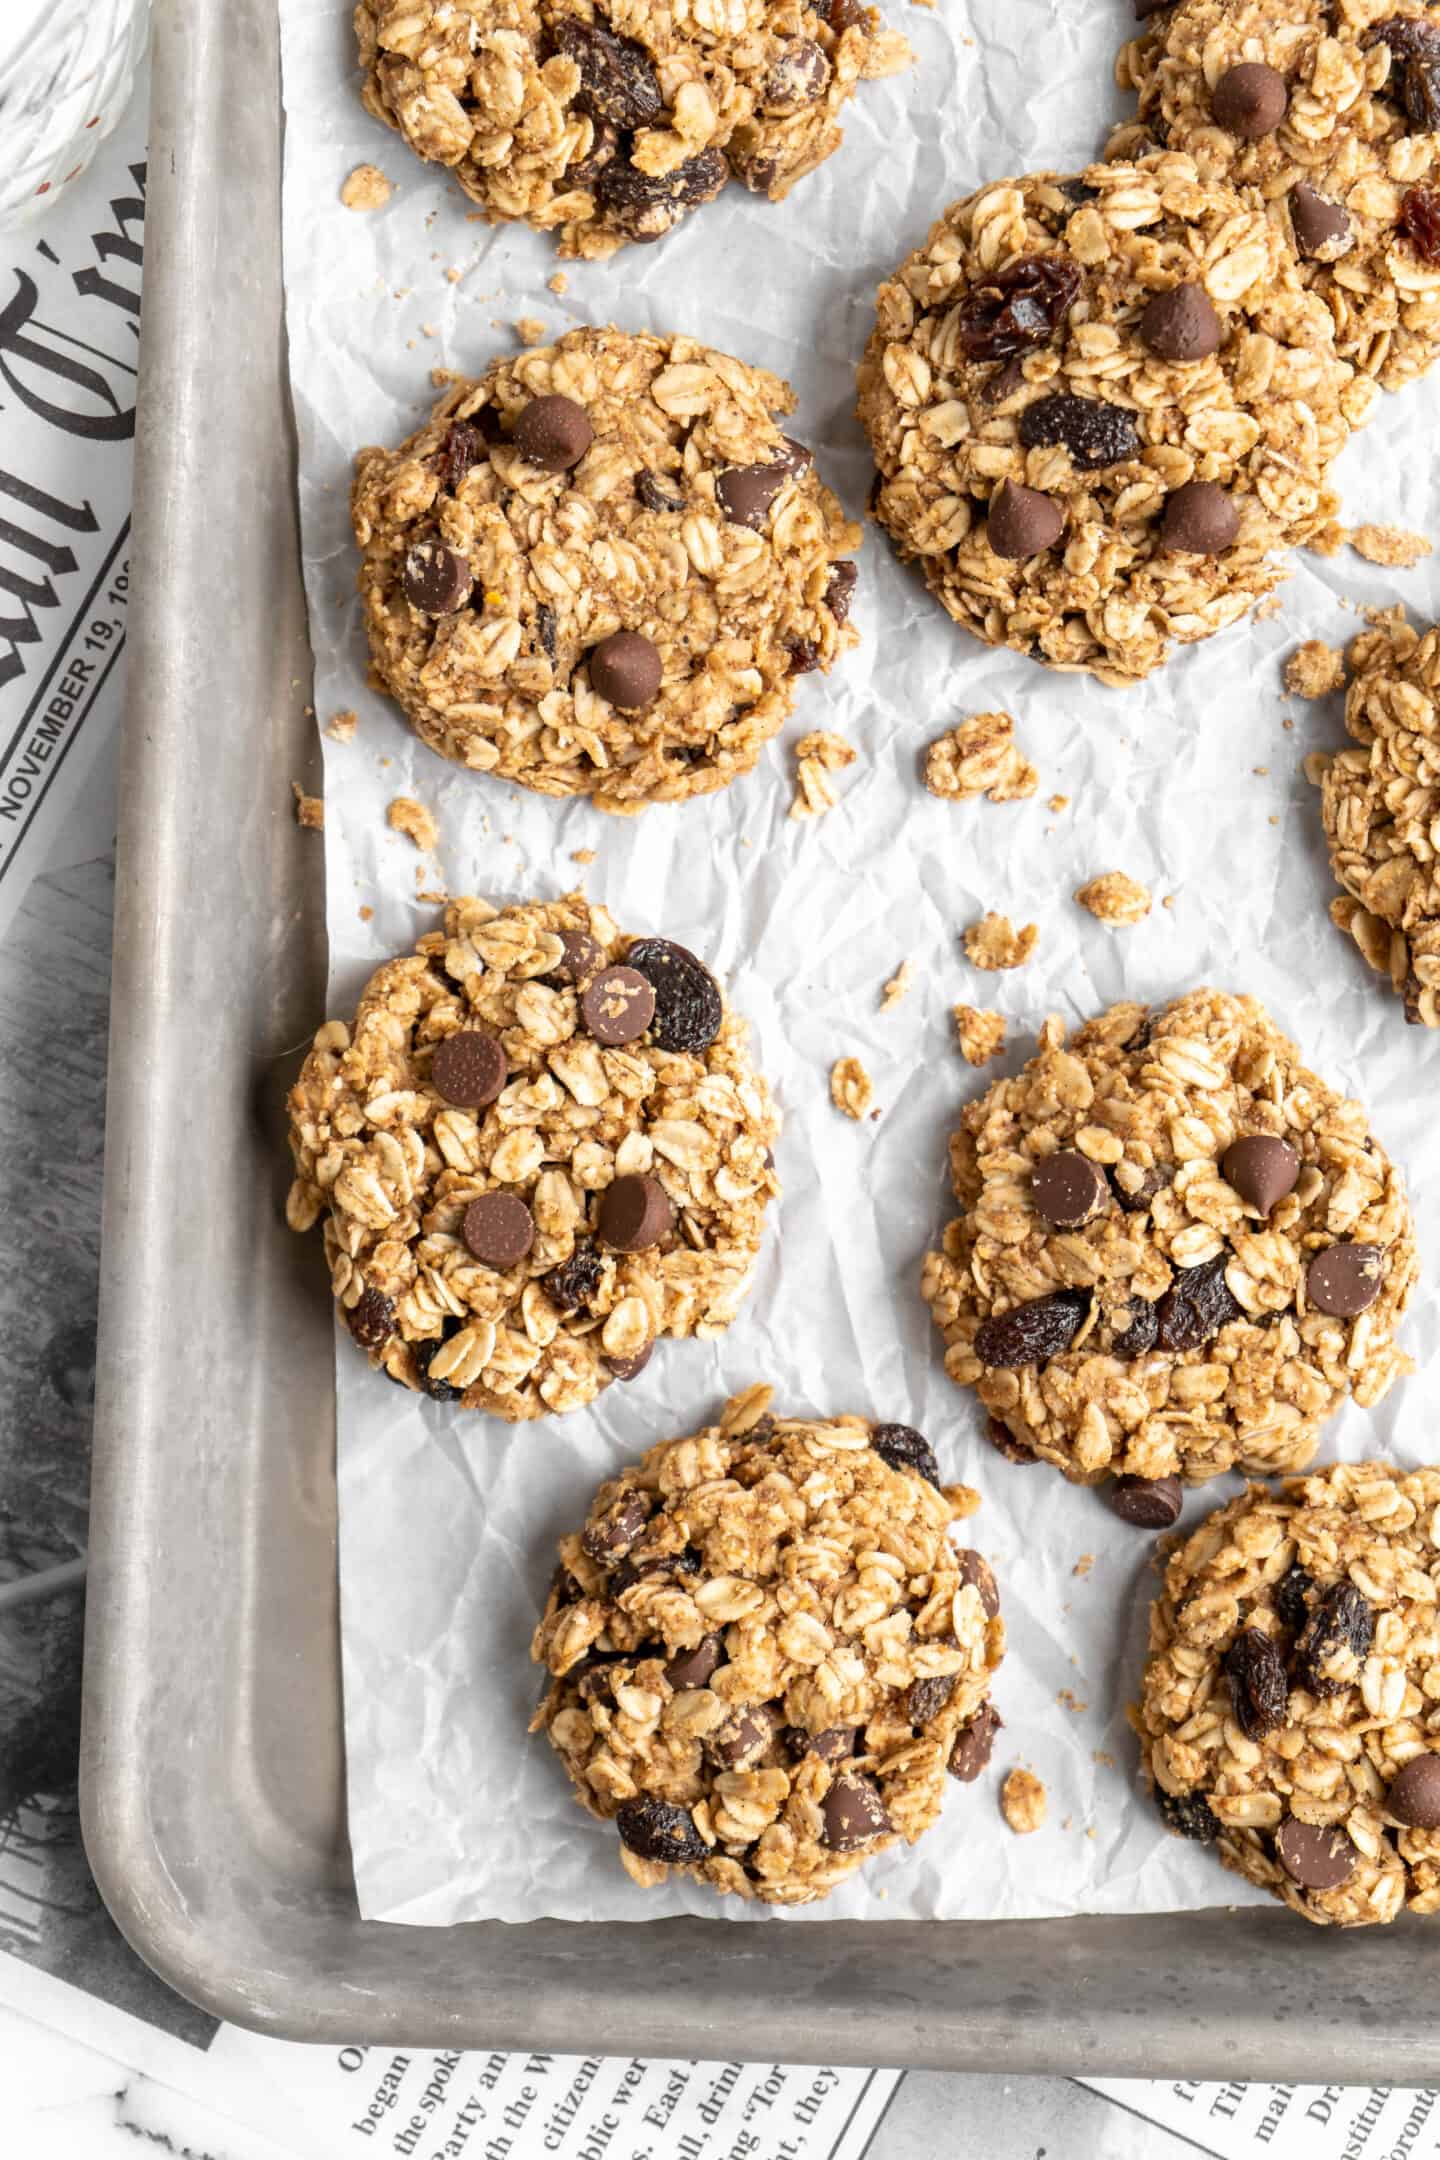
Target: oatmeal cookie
766, 1648
1287, 1712
539, 1146
599, 568
1098, 406
1178, 1251
1330, 109
1380, 803
608, 126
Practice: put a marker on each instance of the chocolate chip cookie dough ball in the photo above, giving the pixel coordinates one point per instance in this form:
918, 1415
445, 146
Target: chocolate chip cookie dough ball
1178, 1252
613, 127
766, 1646
600, 569
1331, 109
1099, 406
1287, 1713
539, 1147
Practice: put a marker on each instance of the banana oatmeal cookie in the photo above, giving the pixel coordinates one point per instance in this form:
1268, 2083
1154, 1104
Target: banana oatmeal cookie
1288, 1710
1380, 803
1330, 108
1179, 1251
1098, 406
766, 1648
599, 568
610, 125
538, 1147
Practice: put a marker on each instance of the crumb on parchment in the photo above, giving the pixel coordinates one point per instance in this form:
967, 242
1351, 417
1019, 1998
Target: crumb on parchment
1389, 545
980, 757
1084, 1564
558, 283
994, 943
407, 816
850, 1087
309, 809
1314, 669
366, 188
817, 755
980, 1033
1115, 899
582, 854
1023, 1801
343, 725
530, 330
897, 986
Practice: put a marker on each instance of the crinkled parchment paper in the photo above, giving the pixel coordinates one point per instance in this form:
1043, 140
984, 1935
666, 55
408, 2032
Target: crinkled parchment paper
1191, 783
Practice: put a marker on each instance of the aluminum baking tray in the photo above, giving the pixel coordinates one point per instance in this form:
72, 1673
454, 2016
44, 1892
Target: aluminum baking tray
214, 1800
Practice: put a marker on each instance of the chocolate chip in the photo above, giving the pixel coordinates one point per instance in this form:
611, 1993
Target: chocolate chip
740, 1742
926, 1697
655, 495
973, 1747
1200, 519
1134, 1200
1181, 324
656, 1830
797, 78
574, 1280
1344, 1279
468, 1069
629, 1368
553, 433
612, 1537
1414, 1795
625, 670
1148, 1503
853, 1813
668, 1565
693, 1668
581, 955
1029, 1334
1095, 433
905, 1449
617, 1005
1068, 1188
841, 589
498, 1228
372, 1318
635, 1213
804, 657
689, 1011
745, 493
437, 580
1007, 1443
1321, 228
1022, 521
832, 1745
1315, 1856
976, 1569
1262, 1170
1250, 100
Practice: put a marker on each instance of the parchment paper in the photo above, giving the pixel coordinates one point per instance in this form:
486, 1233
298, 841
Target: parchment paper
1190, 783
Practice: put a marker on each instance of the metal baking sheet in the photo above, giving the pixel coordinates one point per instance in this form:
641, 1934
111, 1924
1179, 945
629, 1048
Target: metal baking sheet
213, 1783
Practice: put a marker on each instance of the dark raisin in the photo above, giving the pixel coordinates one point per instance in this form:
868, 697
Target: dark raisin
926, 1698
372, 1319
688, 1010
655, 1830
1197, 1305
841, 589
576, 1279
617, 81
464, 447
1005, 1443
1003, 383
843, 14
1335, 1641
1152, 1181
644, 206
1259, 1690
1420, 222
1189, 1815
690, 753
604, 147
905, 1449
642, 1570
1414, 67
1143, 1035
545, 629
1137, 1337
1291, 1595
655, 495
1093, 432
1028, 1334
1411, 990
1078, 191
1019, 308
423, 1352
804, 656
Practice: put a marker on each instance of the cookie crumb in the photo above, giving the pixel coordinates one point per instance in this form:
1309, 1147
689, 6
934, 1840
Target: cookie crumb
343, 725
1057, 803
850, 1087
367, 914
981, 1034
1023, 1801
582, 855
1314, 669
1389, 545
818, 754
995, 943
1116, 899
407, 816
1084, 1564
530, 330
1069, 1701
1103, 1757
559, 283
980, 757
309, 809
897, 986
367, 188
1328, 541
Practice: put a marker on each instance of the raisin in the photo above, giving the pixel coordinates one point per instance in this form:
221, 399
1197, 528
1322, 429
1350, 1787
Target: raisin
905, 1449
1335, 1641
843, 14
1093, 432
464, 447
1196, 1306
1137, 1337
1007, 1444
423, 1352
642, 1570
1032, 1332
1411, 990
372, 1319
926, 1698
545, 628
1153, 1181
1291, 1596
1003, 383
1258, 1687
1189, 1815
654, 495
604, 146
688, 1011
1078, 191
804, 656
617, 81
576, 1279
1420, 223
644, 206
656, 1830
1415, 67
841, 589
1143, 1035
1019, 308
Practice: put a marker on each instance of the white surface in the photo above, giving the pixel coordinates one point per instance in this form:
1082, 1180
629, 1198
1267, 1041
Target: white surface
448, 1523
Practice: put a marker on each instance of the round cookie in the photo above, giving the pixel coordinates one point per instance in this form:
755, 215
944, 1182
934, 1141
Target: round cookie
1287, 1711
1098, 406
1335, 124
1178, 1251
539, 1146
611, 490
766, 1647
1379, 803
545, 111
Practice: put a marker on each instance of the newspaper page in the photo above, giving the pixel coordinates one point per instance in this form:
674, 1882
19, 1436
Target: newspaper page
1288, 2122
